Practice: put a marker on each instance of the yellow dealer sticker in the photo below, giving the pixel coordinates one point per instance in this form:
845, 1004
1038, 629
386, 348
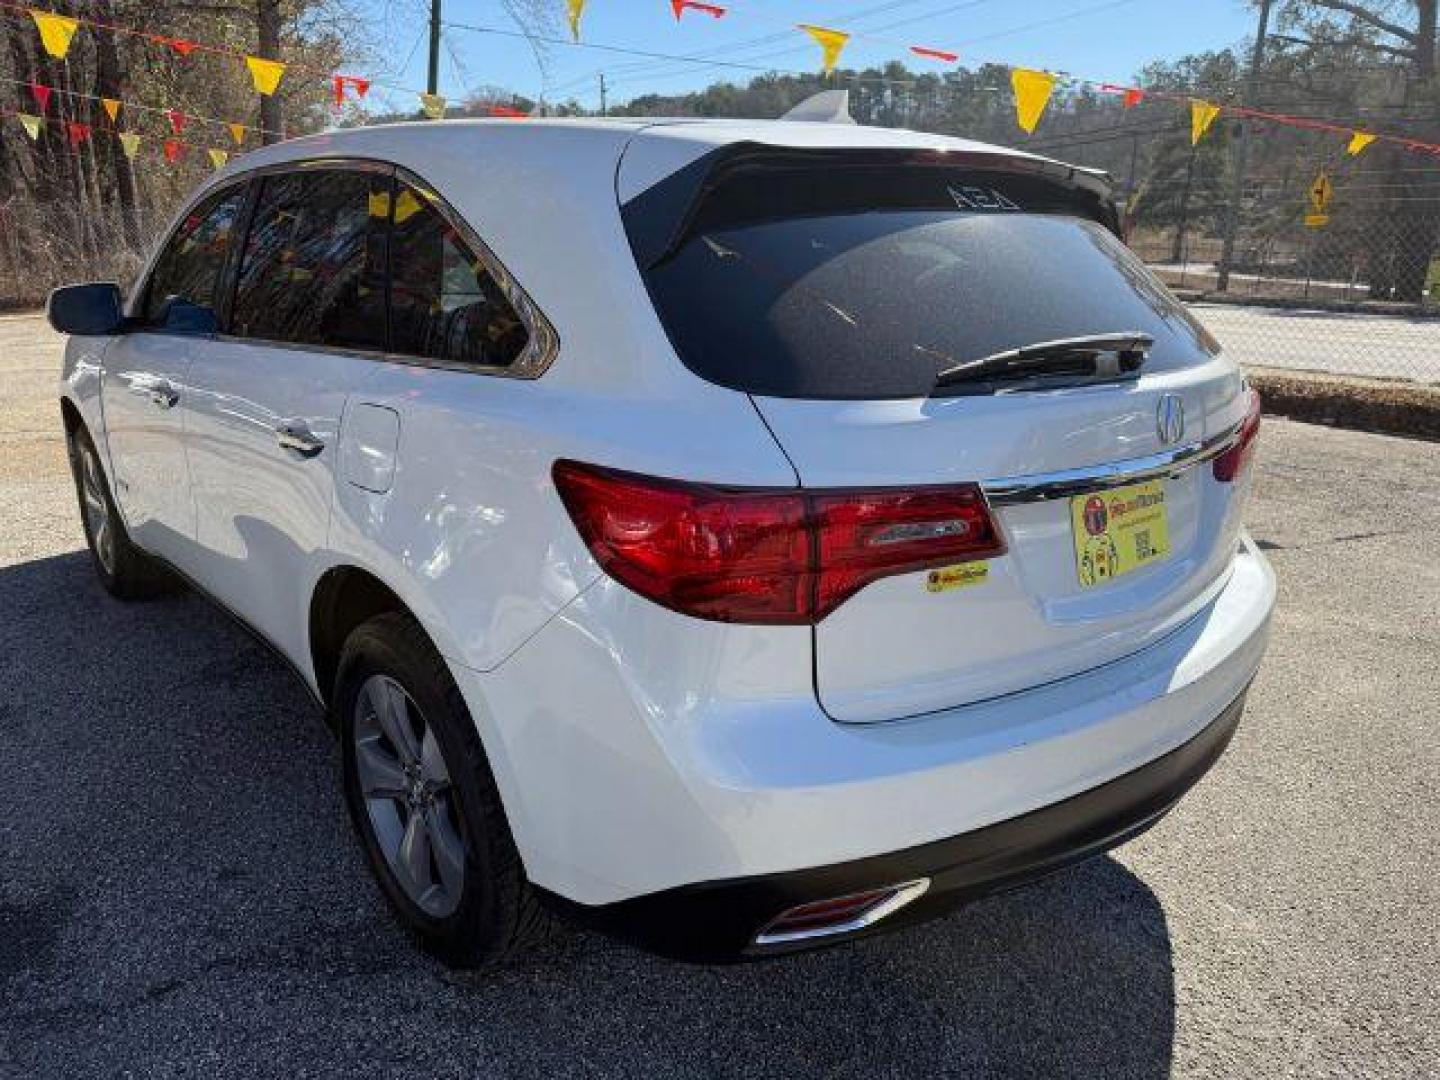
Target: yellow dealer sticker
957, 577
1118, 531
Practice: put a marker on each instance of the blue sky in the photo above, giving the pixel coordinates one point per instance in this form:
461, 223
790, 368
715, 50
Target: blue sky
1105, 39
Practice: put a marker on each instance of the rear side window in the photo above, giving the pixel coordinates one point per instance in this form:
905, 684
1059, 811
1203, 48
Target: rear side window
185, 282
868, 285
313, 270
444, 305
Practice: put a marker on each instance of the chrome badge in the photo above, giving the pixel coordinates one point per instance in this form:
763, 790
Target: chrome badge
1170, 419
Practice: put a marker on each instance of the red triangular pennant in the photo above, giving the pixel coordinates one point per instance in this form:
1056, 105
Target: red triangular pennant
181, 46
174, 150
41, 95
935, 54
715, 11
77, 132
177, 120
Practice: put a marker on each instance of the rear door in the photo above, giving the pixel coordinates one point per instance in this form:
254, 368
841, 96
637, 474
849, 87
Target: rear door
266, 401
836, 305
147, 372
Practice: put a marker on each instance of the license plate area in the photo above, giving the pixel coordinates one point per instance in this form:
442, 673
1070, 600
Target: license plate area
1119, 531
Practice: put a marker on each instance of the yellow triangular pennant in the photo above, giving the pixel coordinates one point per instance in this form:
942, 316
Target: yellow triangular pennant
218, 158
576, 10
32, 125
1202, 115
129, 142
1358, 142
112, 108
831, 42
1032, 94
55, 32
433, 106
237, 132
265, 73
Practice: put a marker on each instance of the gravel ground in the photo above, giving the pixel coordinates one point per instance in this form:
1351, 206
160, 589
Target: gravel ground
180, 894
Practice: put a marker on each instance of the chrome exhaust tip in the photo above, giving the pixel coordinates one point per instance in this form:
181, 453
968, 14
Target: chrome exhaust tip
839, 915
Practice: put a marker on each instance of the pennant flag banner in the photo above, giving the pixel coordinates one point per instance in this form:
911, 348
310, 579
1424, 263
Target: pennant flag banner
575, 9
129, 142
935, 54
355, 82
715, 11
1132, 98
41, 95
32, 125
177, 120
831, 42
181, 46
266, 74
237, 132
1202, 115
1032, 94
218, 158
174, 150
112, 108
433, 106
1358, 142
56, 31
77, 132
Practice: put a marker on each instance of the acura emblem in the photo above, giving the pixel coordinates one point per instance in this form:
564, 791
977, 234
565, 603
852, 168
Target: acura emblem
1170, 419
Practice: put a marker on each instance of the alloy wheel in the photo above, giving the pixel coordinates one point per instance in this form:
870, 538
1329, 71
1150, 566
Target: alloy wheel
97, 509
408, 795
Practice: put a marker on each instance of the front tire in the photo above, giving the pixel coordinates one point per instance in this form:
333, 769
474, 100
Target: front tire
126, 572
422, 799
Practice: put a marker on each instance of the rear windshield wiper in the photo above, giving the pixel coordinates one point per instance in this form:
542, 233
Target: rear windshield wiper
1095, 356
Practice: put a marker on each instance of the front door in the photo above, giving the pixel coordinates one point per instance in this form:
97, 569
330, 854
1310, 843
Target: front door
265, 403
147, 372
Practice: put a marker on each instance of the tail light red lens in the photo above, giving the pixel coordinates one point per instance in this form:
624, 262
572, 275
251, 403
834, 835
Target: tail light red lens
1229, 465
776, 556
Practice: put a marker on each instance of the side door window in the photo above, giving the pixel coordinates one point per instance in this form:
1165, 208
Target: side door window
444, 304
184, 289
312, 272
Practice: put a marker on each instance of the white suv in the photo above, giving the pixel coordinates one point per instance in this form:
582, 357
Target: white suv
740, 536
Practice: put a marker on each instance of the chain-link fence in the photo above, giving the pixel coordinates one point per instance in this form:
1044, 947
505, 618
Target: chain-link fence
1315, 297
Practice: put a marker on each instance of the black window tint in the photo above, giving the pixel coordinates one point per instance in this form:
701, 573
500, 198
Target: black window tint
444, 305
313, 269
183, 287
782, 287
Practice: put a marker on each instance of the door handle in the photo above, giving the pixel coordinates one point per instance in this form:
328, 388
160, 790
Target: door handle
160, 394
299, 438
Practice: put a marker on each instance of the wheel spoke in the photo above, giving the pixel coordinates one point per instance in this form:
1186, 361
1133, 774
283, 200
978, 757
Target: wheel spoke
392, 710
379, 771
432, 762
448, 848
413, 857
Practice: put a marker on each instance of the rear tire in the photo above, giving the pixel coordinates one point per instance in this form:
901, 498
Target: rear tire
423, 801
126, 572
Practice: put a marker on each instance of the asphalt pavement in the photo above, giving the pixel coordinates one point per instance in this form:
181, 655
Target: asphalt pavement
180, 894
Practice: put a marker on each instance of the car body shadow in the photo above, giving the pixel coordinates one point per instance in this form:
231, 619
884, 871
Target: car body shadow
180, 879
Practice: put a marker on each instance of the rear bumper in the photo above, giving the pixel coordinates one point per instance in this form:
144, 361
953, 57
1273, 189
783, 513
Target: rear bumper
640, 752
717, 922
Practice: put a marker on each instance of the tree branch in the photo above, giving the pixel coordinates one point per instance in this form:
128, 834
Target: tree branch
1370, 18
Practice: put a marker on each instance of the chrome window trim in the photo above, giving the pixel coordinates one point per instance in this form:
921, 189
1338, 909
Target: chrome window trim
1062, 484
542, 345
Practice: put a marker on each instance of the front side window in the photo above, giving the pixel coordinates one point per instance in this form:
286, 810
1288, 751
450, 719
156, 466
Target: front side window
184, 285
314, 261
444, 305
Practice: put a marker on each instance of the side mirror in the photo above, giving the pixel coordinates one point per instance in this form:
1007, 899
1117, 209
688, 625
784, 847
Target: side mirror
93, 308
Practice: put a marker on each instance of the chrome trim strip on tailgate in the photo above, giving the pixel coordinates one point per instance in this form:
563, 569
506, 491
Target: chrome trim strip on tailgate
1039, 487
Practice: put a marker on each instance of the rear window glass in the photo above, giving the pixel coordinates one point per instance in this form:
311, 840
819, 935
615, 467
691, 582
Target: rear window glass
869, 300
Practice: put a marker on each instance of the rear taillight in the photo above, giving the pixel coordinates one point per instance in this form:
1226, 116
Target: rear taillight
1229, 465
785, 557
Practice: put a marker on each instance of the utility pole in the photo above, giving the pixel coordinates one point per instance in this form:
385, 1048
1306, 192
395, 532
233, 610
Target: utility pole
1242, 151
432, 79
604, 108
